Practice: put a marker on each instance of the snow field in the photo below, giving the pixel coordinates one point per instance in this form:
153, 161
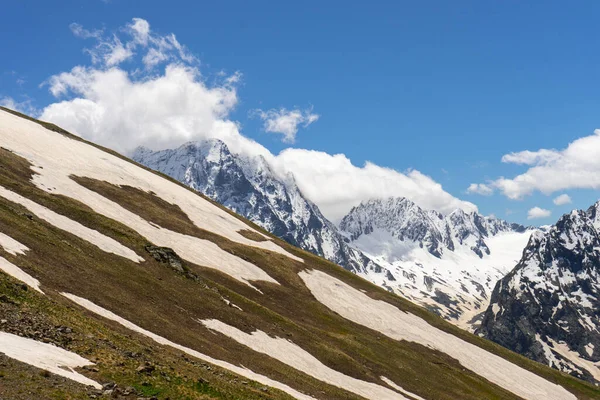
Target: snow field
396, 324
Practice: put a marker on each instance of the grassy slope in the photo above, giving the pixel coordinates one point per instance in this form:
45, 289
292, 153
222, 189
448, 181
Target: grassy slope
158, 299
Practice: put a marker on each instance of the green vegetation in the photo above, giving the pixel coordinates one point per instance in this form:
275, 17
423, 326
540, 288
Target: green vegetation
167, 303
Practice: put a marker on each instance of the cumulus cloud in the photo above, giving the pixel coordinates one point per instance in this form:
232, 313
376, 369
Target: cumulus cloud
336, 185
480, 188
122, 106
562, 200
286, 122
575, 167
537, 212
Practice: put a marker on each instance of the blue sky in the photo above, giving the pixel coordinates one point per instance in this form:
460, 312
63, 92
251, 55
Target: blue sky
446, 88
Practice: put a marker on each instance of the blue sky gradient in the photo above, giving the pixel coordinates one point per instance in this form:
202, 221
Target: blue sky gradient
446, 88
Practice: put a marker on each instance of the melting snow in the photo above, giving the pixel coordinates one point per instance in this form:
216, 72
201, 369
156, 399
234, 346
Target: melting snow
298, 358
161, 340
60, 221
45, 356
562, 349
390, 321
589, 349
398, 388
17, 273
11, 246
57, 157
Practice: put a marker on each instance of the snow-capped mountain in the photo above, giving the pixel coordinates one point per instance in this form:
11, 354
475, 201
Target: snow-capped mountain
547, 307
248, 186
449, 264
442, 262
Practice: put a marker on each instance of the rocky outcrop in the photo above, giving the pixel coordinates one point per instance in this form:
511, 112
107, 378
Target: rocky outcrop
547, 307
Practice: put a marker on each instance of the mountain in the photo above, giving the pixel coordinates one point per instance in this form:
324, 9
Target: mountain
119, 282
546, 308
453, 275
249, 187
448, 264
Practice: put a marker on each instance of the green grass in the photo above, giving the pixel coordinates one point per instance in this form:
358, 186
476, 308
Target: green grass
157, 298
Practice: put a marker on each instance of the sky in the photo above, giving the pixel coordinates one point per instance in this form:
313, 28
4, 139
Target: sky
472, 104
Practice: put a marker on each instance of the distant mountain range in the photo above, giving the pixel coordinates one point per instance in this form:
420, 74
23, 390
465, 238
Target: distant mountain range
116, 282
447, 263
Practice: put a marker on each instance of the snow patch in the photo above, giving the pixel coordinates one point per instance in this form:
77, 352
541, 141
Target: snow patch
390, 321
17, 273
243, 371
11, 246
298, 358
96, 238
398, 388
45, 356
589, 349
562, 349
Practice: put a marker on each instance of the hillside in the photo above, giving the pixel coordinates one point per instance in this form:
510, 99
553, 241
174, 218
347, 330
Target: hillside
448, 264
121, 281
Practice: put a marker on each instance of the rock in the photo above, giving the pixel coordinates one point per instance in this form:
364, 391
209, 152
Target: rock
146, 368
551, 296
168, 256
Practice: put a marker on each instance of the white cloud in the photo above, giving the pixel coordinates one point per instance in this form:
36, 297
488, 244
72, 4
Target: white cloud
336, 185
25, 107
286, 121
562, 200
123, 108
480, 188
531, 157
575, 167
537, 212
110, 51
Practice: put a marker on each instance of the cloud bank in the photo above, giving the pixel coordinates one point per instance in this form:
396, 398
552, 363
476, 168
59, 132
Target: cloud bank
575, 167
143, 88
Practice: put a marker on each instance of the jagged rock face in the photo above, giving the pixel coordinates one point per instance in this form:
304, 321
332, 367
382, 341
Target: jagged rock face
547, 307
444, 263
248, 186
401, 217
408, 222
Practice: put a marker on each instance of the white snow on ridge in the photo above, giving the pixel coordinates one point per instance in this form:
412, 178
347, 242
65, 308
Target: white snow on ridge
45, 356
60, 221
461, 274
11, 246
390, 321
298, 358
57, 157
243, 371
